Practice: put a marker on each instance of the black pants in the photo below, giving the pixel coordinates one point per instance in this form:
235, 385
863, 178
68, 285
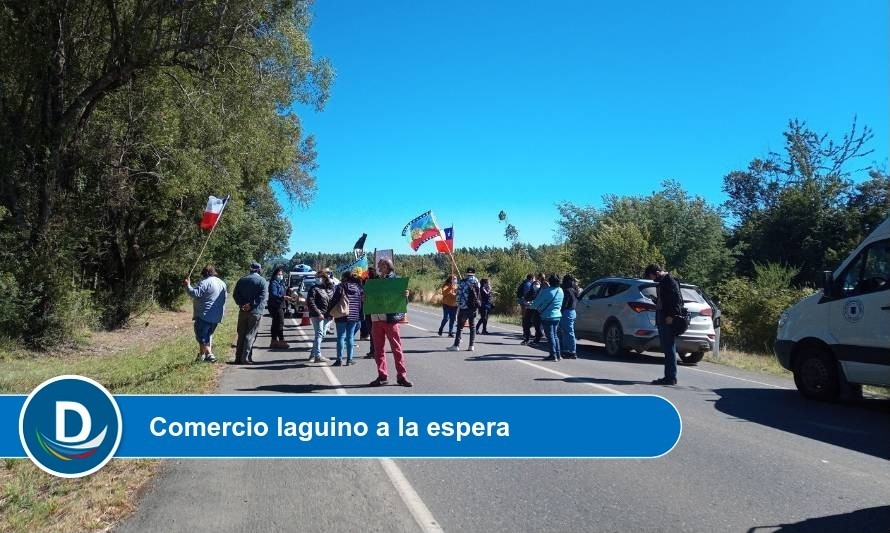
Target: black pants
468, 315
277, 323
483, 320
531, 317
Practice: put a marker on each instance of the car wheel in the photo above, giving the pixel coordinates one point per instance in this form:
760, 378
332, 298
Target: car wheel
613, 338
815, 374
691, 358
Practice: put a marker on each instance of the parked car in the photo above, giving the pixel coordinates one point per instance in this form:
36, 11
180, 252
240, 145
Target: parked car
620, 313
295, 282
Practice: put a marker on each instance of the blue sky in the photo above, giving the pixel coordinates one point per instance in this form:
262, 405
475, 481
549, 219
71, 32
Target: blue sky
469, 108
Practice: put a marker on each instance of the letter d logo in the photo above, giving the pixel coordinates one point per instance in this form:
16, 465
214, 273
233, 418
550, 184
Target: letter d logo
70, 426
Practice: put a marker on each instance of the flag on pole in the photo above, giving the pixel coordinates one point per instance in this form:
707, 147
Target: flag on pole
212, 212
420, 230
359, 267
359, 248
446, 245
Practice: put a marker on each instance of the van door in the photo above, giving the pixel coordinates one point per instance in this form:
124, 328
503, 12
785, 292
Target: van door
860, 316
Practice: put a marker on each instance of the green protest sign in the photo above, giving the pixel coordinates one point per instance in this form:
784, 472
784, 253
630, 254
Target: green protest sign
385, 296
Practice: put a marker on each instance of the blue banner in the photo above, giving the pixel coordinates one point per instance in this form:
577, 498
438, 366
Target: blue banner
415, 426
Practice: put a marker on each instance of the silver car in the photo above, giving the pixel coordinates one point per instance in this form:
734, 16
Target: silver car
620, 313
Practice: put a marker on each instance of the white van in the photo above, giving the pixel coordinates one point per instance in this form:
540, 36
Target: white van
841, 335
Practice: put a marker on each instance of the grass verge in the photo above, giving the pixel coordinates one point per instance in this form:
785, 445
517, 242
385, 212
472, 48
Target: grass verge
32, 500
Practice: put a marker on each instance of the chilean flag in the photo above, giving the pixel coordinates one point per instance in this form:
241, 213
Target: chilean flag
212, 212
446, 246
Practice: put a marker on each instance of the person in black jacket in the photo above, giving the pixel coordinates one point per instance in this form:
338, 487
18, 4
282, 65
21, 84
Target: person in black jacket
668, 306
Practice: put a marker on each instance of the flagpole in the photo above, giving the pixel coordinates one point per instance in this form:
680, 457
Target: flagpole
206, 240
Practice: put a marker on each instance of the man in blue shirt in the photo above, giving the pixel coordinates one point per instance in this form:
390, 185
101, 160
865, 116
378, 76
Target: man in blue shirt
251, 293
209, 300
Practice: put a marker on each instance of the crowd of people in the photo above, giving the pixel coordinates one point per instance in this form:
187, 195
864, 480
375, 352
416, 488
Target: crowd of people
548, 305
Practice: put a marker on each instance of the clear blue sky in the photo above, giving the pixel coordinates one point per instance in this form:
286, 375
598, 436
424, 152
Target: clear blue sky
469, 108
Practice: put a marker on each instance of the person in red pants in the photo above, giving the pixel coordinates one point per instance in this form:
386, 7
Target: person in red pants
386, 327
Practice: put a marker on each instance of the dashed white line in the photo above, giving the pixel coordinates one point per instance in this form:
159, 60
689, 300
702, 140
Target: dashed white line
416, 507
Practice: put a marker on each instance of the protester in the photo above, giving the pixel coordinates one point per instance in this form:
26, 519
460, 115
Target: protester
467, 305
318, 300
522, 289
250, 294
668, 305
278, 299
548, 303
366, 322
485, 305
567, 340
449, 304
207, 309
348, 325
530, 316
383, 327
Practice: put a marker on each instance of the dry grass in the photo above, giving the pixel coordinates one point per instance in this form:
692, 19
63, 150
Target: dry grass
155, 356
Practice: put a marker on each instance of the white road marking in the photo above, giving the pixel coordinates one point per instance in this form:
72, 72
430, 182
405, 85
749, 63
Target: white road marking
561, 374
736, 378
418, 509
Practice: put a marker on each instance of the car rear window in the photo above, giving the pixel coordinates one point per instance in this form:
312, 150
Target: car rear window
690, 294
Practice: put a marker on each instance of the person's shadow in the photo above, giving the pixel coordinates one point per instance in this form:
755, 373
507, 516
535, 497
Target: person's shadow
870, 520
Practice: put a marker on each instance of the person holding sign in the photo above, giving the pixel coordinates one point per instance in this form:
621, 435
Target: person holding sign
386, 303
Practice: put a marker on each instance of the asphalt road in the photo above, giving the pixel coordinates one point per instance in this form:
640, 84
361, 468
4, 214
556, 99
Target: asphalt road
753, 457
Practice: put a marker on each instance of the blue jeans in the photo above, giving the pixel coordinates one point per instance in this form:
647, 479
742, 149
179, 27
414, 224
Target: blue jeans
346, 336
551, 328
448, 315
567, 331
319, 328
669, 347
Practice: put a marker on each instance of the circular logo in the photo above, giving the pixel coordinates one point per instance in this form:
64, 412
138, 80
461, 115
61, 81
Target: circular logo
70, 426
853, 310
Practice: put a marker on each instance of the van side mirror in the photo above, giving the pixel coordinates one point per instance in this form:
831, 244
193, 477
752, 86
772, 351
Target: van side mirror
827, 283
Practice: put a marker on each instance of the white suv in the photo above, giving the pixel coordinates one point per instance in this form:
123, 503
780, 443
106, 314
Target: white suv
620, 312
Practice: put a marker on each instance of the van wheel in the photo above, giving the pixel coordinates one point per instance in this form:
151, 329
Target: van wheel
613, 338
816, 376
691, 358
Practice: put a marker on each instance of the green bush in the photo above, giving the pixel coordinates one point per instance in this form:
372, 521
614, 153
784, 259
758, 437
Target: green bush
751, 308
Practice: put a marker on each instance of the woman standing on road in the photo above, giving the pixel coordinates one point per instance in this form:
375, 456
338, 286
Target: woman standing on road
567, 322
449, 304
277, 300
548, 303
319, 302
348, 325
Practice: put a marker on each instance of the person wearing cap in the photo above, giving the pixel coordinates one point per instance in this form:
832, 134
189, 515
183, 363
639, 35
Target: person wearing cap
250, 294
668, 304
548, 303
468, 302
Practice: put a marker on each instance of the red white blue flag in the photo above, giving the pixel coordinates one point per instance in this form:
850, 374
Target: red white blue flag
212, 212
446, 245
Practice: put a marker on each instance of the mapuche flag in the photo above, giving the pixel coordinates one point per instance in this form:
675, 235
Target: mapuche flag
447, 245
420, 230
212, 212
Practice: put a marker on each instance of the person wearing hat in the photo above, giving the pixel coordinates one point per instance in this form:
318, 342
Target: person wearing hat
548, 303
468, 301
250, 294
668, 304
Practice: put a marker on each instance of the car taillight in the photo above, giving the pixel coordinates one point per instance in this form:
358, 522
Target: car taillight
639, 307
706, 312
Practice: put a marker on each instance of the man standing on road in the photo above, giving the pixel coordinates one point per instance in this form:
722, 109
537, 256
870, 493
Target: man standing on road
467, 304
251, 293
209, 301
668, 305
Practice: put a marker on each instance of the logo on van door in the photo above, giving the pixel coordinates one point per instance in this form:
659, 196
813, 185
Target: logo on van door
853, 310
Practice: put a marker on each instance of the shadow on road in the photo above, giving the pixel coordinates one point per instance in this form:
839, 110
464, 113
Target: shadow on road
600, 381
304, 388
862, 426
502, 357
871, 520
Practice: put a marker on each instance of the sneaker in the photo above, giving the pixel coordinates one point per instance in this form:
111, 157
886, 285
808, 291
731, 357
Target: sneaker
379, 382
319, 359
210, 358
550, 358
350, 362
450, 334
524, 343
440, 332
453, 348
404, 382
369, 355
337, 363
471, 348
665, 381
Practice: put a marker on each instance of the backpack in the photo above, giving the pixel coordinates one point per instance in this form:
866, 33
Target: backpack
473, 299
